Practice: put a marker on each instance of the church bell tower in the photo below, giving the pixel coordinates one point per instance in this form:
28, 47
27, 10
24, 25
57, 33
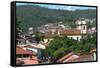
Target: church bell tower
81, 25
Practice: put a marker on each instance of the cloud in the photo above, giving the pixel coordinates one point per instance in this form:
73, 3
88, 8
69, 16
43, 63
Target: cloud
61, 7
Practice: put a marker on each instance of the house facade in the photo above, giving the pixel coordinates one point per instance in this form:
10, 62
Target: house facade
74, 33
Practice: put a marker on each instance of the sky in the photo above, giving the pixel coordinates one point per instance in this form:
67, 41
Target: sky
62, 7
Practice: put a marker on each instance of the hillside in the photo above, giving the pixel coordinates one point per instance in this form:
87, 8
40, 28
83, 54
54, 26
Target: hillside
35, 16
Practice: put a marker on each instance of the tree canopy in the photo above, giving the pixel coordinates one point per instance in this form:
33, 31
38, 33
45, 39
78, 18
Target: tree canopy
63, 45
35, 16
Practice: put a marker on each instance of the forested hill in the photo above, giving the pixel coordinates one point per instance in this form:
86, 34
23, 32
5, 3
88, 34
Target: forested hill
34, 16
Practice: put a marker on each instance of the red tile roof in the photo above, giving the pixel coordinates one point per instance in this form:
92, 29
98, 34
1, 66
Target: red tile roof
19, 50
70, 32
70, 57
34, 60
64, 32
87, 57
29, 62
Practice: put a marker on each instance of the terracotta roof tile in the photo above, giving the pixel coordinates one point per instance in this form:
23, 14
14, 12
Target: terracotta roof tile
70, 32
88, 57
19, 50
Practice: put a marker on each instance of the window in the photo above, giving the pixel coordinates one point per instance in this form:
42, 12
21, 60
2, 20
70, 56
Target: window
77, 38
84, 28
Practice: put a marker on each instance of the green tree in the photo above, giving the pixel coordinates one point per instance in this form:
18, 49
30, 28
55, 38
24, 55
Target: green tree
63, 45
60, 45
18, 27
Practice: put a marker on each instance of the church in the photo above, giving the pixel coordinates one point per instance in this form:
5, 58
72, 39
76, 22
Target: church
74, 33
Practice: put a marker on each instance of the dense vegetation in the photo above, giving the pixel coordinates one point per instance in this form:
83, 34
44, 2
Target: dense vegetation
33, 16
63, 45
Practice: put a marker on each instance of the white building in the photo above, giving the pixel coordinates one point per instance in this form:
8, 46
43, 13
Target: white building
75, 33
81, 25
